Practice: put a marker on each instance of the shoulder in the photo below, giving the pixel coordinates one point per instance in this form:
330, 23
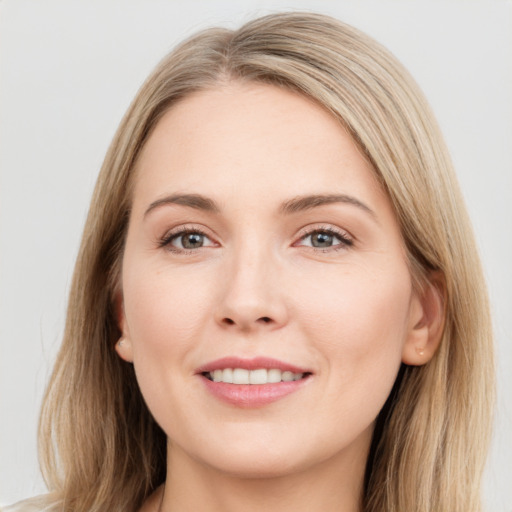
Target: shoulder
42, 503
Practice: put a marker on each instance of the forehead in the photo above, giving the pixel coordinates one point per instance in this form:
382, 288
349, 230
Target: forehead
254, 139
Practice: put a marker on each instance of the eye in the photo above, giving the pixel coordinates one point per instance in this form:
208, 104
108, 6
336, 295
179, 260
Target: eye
325, 238
186, 240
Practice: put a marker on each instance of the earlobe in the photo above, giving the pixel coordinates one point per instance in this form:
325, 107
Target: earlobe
123, 346
427, 318
124, 349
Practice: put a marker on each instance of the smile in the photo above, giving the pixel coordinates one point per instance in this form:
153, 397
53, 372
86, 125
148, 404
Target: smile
253, 377
252, 383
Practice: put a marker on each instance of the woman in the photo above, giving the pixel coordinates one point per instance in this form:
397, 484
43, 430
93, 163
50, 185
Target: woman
277, 302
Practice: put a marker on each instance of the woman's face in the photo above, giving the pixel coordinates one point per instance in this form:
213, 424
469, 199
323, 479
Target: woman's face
262, 249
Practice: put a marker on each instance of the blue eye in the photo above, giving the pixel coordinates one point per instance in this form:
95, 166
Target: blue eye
325, 239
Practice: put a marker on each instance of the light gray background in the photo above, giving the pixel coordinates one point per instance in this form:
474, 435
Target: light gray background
68, 70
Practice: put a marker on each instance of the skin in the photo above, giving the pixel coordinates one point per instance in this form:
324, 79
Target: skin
257, 287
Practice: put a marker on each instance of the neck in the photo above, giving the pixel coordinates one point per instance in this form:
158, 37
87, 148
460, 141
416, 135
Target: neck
335, 484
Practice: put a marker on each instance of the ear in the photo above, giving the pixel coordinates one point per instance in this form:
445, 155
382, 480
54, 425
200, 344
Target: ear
123, 346
426, 321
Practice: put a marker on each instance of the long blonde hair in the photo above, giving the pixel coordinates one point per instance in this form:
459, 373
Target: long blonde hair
100, 448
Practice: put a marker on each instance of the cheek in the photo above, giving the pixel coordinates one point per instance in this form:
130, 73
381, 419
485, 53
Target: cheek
364, 303
165, 312
359, 322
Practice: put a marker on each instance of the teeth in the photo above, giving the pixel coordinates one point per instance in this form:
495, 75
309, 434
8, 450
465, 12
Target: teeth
240, 376
273, 375
259, 376
287, 376
227, 375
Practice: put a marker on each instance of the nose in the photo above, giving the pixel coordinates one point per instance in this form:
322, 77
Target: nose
251, 294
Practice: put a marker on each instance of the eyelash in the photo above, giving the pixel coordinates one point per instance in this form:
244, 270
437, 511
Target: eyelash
166, 241
345, 240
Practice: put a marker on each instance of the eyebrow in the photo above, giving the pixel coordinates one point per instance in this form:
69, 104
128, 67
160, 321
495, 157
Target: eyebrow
301, 203
294, 205
195, 201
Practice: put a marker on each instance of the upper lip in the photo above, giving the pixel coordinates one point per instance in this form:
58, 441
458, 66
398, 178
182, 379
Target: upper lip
250, 364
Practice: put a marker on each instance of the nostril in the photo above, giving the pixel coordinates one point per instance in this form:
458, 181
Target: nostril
263, 319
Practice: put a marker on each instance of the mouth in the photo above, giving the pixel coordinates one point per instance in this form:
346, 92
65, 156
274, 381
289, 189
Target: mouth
249, 383
255, 377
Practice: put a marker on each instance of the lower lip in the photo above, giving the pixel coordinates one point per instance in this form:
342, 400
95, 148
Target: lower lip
253, 395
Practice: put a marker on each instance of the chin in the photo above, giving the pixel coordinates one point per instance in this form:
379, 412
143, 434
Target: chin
262, 467
265, 457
